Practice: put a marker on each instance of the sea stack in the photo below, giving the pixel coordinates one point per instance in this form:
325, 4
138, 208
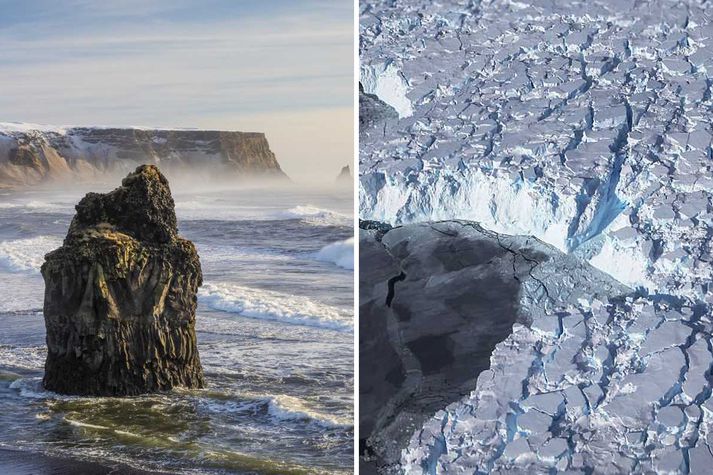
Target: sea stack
345, 175
120, 295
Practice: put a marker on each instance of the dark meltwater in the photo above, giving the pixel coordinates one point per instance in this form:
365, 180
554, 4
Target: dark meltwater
275, 334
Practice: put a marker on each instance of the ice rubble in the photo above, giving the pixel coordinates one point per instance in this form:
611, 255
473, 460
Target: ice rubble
587, 125
604, 386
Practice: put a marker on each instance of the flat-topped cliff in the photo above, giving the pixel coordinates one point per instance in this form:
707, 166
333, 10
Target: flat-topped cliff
34, 154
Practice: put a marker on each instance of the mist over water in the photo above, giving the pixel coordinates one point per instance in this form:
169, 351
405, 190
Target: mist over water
274, 324
190, 179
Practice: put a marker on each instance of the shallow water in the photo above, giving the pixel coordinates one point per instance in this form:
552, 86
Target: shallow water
275, 333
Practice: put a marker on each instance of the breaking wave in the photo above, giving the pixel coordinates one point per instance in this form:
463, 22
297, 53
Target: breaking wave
32, 388
274, 306
314, 215
23, 357
280, 408
197, 210
340, 253
26, 255
288, 408
49, 207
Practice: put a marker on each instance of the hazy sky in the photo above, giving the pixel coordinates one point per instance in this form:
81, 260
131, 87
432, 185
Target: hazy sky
283, 67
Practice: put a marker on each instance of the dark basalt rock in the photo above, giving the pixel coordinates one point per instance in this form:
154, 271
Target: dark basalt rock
375, 116
435, 299
345, 175
120, 295
433, 304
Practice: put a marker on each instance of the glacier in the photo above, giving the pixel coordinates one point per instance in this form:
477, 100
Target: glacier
582, 127
588, 126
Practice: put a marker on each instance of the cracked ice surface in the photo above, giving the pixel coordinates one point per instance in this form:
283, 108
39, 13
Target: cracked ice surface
616, 386
585, 124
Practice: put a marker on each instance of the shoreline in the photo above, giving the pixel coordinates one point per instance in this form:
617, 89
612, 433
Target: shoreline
21, 462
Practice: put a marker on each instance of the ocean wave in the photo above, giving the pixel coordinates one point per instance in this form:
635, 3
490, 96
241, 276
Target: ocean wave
200, 210
315, 216
26, 255
224, 253
49, 207
340, 253
32, 388
39, 207
196, 210
22, 295
24, 357
76, 423
289, 408
275, 306
278, 407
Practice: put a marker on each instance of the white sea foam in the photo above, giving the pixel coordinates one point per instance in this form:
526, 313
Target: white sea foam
275, 306
26, 255
32, 357
280, 407
206, 208
288, 408
84, 424
49, 207
128, 434
191, 210
314, 215
31, 388
340, 253
22, 292
228, 253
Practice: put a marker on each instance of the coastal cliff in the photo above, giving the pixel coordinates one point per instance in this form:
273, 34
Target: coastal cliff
31, 155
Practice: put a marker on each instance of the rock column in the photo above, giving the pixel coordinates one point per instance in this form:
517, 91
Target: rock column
120, 295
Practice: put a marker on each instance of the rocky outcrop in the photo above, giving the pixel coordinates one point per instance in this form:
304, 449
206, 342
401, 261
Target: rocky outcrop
120, 295
345, 176
375, 116
434, 301
30, 155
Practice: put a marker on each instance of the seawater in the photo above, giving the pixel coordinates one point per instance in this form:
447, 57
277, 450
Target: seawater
275, 335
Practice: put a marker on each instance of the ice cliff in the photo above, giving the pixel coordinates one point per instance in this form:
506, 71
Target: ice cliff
32, 154
585, 125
